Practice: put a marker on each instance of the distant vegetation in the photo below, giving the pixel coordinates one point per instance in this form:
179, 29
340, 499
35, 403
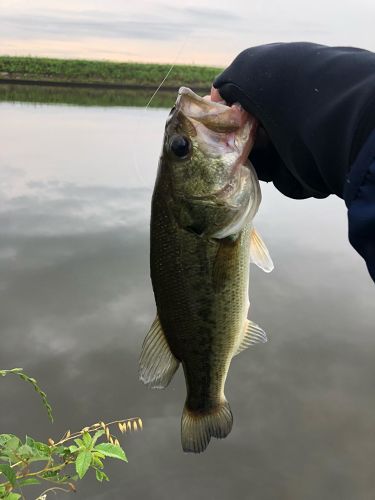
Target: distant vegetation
103, 72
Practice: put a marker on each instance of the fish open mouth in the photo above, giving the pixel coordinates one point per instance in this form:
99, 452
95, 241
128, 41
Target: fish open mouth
219, 128
216, 116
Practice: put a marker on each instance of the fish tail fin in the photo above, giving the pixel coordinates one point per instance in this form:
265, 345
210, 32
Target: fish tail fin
198, 427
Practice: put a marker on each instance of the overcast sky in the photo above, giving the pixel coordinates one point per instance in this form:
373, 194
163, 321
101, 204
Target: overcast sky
196, 31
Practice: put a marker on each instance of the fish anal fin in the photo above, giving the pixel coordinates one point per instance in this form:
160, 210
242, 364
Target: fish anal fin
259, 253
253, 334
197, 428
157, 364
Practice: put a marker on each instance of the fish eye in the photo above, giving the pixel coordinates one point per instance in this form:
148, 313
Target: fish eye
180, 146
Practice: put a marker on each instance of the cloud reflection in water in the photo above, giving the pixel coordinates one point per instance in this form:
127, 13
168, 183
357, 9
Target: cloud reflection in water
76, 302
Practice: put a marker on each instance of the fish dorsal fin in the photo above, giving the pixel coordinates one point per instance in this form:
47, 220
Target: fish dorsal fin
259, 253
157, 364
253, 334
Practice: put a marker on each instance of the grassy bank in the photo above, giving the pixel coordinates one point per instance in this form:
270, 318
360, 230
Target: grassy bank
103, 72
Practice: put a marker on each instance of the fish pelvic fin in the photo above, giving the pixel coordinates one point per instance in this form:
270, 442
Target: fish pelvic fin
197, 428
259, 253
157, 364
253, 334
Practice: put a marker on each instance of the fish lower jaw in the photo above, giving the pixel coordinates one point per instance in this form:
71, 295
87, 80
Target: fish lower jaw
215, 198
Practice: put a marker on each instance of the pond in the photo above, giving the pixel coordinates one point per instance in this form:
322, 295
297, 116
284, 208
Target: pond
76, 302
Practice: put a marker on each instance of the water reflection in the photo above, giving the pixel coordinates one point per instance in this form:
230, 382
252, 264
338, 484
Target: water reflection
76, 302
84, 96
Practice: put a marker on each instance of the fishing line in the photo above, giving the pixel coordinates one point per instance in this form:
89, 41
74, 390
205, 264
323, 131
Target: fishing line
182, 46
145, 109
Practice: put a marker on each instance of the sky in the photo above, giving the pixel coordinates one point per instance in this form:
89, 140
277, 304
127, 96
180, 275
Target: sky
192, 32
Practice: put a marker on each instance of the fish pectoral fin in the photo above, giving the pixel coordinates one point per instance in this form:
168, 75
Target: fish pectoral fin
157, 364
253, 334
226, 256
259, 253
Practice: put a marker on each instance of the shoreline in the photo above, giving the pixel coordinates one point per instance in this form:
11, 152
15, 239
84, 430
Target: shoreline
95, 85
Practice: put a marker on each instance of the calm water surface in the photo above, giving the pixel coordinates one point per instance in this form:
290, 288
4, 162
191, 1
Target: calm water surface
76, 303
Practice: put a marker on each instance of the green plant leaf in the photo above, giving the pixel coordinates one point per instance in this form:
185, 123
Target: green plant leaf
25, 451
111, 450
13, 370
4, 438
8, 473
100, 475
12, 496
12, 444
30, 480
79, 442
50, 474
58, 450
87, 440
96, 461
97, 435
40, 450
83, 462
30, 441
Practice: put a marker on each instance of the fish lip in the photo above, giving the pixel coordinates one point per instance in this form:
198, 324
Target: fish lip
186, 91
235, 113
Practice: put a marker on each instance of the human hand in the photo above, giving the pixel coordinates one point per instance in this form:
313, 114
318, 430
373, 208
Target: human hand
310, 101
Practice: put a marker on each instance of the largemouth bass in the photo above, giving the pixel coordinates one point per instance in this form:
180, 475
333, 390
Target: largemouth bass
205, 197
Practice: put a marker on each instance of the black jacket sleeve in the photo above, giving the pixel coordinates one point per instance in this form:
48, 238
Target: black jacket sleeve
317, 106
